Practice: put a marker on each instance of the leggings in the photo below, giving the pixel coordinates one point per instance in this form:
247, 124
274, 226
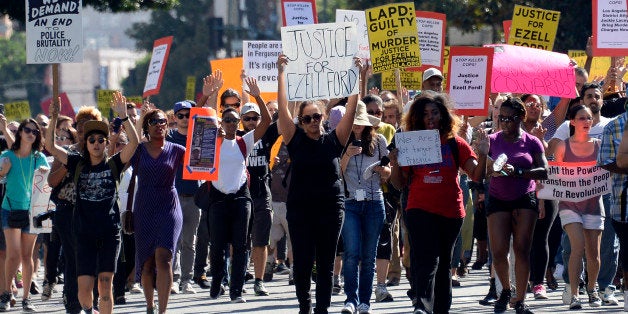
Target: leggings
539, 254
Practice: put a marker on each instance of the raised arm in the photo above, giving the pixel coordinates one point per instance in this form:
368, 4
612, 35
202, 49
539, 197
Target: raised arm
285, 124
477, 168
254, 91
55, 150
8, 135
343, 130
119, 107
211, 85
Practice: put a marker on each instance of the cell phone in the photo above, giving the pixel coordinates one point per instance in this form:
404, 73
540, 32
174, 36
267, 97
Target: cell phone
385, 161
356, 143
117, 123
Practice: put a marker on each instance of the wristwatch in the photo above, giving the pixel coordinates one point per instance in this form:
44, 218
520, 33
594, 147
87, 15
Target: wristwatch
518, 172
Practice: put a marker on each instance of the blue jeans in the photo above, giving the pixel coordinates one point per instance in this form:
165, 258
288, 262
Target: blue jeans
360, 233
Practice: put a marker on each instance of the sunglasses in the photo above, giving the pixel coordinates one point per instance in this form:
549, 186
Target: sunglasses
235, 105
533, 104
153, 122
61, 138
93, 140
508, 118
374, 113
28, 130
230, 120
307, 119
183, 115
247, 119
585, 119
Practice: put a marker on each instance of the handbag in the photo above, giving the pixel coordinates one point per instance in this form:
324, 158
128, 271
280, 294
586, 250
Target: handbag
201, 196
18, 219
128, 220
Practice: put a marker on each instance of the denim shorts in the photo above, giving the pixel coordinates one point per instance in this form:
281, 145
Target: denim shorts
5, 222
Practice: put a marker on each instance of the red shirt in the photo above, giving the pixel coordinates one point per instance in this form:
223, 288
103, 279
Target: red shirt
435, 188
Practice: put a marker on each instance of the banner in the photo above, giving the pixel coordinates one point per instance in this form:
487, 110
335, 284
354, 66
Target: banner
526, 70
157, 66
432, 29
574, 182
260, 62
54, 31
393, 37
469, 79
298, 12
533, 27
359, 18
320, 61
202, 149
190, 87
104, 97
409, 79
610, 28
418, 147
17, 110
66, 105
40, 200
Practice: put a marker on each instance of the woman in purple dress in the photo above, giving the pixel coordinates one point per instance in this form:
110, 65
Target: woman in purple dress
157, 211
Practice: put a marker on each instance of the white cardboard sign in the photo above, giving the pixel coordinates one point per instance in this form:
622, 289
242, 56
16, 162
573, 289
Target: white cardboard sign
260, 62
418, 147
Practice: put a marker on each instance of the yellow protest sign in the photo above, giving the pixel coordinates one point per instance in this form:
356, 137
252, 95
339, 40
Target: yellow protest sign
393, 37
137, 100
17, 110
533, 27
409, 80
190, 87
599, 65
445, 67
103, 101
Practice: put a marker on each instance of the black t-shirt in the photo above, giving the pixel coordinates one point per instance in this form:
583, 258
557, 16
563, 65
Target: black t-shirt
613, 107
259, 160
96, 207
315, 173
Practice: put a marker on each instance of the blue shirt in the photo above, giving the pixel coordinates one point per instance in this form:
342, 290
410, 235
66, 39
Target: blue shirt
611, 138
19, 184
183, 186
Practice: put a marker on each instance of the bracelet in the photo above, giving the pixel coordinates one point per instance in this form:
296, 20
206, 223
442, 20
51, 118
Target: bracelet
124, 119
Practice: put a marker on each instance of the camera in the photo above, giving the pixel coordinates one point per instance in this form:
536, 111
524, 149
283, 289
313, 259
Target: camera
37, 220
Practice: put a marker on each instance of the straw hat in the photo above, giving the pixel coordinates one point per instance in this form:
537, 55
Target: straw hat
361, 117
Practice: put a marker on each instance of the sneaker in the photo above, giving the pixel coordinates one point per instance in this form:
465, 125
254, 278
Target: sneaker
215, 293
268, 272
290, 278
259, 288
501, 305
382, 294
120, 300
248, 276
188, 289
203, 282
174, 289
478, 265
35, 288
336, 289
27, 306
539, 292
392, 282
608, 297
349, 308
135, 288
575, 303
594, 298
363, 309
47, 291
522, 308
238, 300
567, 294
462, 271
5, 302
282, 269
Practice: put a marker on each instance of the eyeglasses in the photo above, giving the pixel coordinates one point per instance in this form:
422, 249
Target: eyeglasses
508, 118
235, 105
183, 115
533, 104
307, 119
153, 122
28, 130
230, 120
93, 140
61, 138
247, 119
374, 113
585, 119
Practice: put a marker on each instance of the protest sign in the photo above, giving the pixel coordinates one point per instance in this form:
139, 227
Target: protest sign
137, 100
445, 67
506, 24
409, 79
393, 37
66, 105
190, 86
157, 66
359, 19
17, 110
599, 65
533, 27
301, 12
104, 97
321, 62
202, 149
232, 78
40, 200
610, 28
418, 147
260, 62
54, 31
469, 79
432, 27
574, 182
519, 69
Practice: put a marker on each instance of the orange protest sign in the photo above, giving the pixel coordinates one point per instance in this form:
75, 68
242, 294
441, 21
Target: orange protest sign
202, 149
231, 69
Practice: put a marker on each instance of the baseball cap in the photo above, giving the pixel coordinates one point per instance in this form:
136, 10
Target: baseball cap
248, 107
182, 105
427, 74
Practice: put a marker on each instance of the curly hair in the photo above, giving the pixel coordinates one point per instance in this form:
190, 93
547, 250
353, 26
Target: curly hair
449, 122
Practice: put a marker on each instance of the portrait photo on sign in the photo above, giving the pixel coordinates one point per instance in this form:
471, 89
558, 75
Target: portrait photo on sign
203, 149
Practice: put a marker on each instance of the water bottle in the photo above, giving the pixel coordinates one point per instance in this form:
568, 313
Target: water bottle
499, 163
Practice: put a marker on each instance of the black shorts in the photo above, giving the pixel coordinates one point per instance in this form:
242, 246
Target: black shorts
97, 254
527, 201
261, 221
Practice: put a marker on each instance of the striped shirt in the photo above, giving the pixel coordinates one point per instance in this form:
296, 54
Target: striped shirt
611, 138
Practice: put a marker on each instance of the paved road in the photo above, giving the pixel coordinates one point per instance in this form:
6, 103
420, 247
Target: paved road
282, 300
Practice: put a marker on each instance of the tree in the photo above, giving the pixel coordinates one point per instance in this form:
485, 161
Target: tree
15, 9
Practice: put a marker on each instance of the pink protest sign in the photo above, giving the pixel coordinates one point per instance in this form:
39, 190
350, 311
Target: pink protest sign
519, 69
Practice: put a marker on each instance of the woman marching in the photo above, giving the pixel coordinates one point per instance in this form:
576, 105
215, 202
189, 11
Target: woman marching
96, 216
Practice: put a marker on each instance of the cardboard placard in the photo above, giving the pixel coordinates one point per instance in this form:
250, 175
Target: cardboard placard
533, 27
432, 29
137, 100
298, 12
40, 200
409, 79
104, 97
574, 182
393, 37
260, 62
54, 31
519, 69
359, 18
232, 77
190, 87
202, 149
157, 66
321, 62
418, 147
506, 24
610, 28
599, 65
17, 110
469, 79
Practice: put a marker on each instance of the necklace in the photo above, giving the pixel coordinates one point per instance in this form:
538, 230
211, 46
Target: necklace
30, 176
